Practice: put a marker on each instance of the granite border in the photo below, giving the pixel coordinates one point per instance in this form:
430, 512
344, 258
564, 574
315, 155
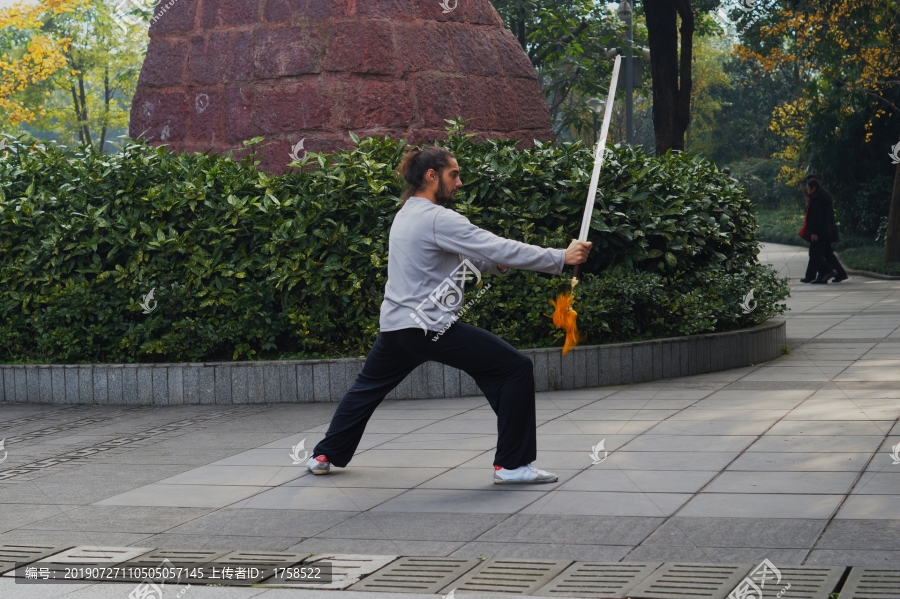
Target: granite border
327, 380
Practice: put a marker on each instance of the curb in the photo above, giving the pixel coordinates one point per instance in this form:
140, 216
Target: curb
872, 275
327, 380
868, 273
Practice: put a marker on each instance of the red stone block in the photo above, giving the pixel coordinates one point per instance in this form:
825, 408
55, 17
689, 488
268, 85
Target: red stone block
438, 98
463, 11
476, 106
506, 105
165, 62
207, 111
237, 113
169, 17
362, 47
224, 56
533, 112
316, 69
401, 10
286, 52
289, 107
423, 46
474, 51
159, 116
512, 58
229, 13
420, 136
286, 10
483, 13
374, 104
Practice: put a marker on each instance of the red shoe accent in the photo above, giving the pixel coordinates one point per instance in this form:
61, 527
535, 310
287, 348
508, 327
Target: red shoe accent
498, 467
321, 458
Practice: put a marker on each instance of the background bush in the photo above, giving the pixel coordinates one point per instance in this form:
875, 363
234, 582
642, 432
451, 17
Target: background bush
759, 177
249, 265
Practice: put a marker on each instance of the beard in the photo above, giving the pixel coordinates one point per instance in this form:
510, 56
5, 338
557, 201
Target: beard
444, 196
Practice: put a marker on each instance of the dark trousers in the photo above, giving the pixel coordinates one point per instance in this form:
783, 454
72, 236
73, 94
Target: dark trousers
503, 373
823, 260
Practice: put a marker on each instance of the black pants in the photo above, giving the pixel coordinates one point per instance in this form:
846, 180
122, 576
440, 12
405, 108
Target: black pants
822, 260
504, 374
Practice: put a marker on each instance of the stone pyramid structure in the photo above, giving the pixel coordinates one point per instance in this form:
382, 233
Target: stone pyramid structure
219, 72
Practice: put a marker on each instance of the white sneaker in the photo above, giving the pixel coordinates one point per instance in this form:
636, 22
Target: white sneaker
522, 475
318, 465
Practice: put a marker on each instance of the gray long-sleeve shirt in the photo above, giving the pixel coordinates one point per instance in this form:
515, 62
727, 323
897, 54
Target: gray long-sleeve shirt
434, 251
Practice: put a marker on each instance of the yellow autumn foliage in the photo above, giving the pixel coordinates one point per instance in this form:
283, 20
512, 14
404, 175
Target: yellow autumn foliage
40, 57
851, 43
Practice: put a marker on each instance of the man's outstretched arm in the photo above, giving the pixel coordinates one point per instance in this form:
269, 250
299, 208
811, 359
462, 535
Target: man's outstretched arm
454, 233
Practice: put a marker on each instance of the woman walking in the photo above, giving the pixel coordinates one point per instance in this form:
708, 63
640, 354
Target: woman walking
821, 232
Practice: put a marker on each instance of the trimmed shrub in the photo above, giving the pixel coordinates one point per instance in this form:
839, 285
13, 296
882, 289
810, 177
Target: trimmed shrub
245, 265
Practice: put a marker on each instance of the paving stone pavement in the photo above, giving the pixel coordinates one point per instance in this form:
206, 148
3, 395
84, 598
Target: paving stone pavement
788, 460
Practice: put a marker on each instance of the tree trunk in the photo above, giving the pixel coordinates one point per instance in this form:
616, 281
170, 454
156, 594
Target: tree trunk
77, 109
671, 74
83, 117
106, 97
892, 247
521, 34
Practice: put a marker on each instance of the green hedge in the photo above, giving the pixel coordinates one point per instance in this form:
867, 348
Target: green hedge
249, 265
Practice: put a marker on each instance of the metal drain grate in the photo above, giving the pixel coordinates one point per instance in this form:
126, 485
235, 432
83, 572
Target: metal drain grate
807, 582
85, 555
86, 452
869, 583
507, 575
175, 557
587, 579
346, 569
59, 428
264, 560
24, 554
699, 581
179, 556
417, 575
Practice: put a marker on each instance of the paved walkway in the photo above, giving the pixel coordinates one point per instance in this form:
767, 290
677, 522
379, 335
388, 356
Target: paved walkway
788, 460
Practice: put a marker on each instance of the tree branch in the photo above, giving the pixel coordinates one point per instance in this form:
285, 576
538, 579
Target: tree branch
852, 89
560, 43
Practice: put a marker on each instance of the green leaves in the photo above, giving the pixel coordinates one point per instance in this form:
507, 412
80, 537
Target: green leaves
247, 265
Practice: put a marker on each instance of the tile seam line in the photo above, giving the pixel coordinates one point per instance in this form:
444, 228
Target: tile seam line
215, 510
872, 457
474, 458
263, 409
550, 492
859, 476
409, 489
713, 479
547, 493
725, 468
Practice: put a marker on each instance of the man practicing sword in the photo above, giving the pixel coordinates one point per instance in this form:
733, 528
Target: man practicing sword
433, 251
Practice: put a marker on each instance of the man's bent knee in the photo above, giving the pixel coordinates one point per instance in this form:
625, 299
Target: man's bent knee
524, 364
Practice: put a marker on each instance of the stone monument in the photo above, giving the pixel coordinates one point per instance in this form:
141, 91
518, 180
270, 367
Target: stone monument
219, 72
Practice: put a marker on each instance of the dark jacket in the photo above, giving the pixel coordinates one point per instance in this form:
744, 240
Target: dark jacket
820, 218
